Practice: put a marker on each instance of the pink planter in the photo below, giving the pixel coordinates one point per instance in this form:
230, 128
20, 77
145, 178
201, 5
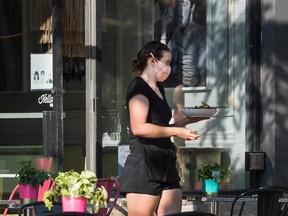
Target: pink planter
27, 191
44, 163
77, 204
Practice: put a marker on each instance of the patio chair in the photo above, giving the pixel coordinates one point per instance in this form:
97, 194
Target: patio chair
112, 186
268, 203
39, 208
49, 183
11, 198
191, 213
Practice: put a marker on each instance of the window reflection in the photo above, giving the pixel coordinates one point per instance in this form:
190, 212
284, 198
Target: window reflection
181, 25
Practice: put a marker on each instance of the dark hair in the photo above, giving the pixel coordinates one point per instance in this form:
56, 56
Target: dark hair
154, 47
192, 2
199, 15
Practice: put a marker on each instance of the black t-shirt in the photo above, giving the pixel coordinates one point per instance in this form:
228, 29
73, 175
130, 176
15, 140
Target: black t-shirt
159, 110
159, 153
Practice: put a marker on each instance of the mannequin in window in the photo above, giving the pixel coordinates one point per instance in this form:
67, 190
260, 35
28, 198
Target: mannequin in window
188, 45
165, 20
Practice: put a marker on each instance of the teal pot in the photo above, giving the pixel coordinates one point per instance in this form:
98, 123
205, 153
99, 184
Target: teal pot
210, 187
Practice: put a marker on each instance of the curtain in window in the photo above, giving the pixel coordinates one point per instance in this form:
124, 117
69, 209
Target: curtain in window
73, 25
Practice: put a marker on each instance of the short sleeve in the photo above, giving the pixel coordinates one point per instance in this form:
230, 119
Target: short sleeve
137, 86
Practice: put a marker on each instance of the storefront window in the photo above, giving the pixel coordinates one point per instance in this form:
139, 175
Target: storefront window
26, 79
201, 36
202, 71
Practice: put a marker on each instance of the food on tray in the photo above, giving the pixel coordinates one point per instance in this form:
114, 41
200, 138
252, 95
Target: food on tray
203, 106
204, 110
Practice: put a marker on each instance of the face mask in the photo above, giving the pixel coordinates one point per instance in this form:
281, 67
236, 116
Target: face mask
160, 67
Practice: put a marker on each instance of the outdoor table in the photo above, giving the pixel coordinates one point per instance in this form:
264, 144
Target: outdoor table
13, 204
217, 200
16, 205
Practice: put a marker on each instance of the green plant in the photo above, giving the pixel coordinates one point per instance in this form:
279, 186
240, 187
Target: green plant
27, 174
212, 170
74, 184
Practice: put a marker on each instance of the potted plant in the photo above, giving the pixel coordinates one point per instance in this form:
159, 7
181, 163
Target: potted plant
72, 186
44, 163
29, 179
211, 174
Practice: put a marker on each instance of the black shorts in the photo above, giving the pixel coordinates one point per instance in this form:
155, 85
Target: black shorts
151, 188
134, 179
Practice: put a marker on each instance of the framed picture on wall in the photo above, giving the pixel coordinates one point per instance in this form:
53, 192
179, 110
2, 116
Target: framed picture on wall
41, 73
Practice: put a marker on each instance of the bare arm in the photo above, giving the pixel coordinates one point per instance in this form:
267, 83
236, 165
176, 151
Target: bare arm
138, 107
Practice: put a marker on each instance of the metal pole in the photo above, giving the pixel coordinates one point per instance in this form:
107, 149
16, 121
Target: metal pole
93, 86
254, 104
57, 6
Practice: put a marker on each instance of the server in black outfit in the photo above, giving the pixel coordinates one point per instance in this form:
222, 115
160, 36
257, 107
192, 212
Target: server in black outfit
150, 179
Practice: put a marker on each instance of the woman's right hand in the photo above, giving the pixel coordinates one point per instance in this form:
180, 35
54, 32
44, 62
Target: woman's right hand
187, 134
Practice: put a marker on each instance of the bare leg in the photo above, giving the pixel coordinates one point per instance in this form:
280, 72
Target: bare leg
141, 204
170, 202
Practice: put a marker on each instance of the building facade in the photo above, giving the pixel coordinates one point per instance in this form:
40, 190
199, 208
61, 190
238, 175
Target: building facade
241, 68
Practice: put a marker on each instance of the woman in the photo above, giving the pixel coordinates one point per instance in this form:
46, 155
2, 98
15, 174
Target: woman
150, 178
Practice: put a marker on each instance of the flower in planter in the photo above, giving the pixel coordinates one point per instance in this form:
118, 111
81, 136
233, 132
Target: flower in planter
73, 184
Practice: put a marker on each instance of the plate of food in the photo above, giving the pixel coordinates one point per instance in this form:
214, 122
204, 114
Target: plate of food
203, 110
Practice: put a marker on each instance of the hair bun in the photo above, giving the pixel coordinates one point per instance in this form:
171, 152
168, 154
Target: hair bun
136, 67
